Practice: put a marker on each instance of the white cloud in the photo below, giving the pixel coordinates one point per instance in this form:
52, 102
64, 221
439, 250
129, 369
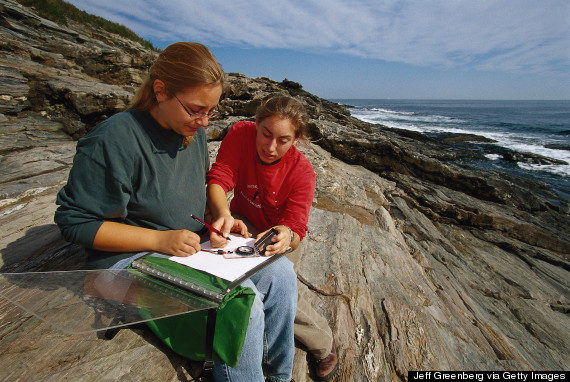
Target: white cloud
511, 36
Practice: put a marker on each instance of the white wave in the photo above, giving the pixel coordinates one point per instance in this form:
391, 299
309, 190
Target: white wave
493, 156
384, 116
527, 146
528, 143
563, 170
414, 126
397, 125
387, 111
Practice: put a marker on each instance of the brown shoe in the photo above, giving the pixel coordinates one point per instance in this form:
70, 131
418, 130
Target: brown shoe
323, 369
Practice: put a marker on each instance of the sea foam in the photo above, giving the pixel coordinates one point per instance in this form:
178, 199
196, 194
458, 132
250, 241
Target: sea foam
525, 142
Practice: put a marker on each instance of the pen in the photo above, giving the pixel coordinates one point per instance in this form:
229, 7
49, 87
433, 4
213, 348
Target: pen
208, 226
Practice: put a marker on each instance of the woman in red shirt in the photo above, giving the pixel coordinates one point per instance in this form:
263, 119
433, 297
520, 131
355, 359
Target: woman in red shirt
272, 180
273, 185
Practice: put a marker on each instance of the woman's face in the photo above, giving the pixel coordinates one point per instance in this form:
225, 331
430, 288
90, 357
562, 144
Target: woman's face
274, 136
170, 112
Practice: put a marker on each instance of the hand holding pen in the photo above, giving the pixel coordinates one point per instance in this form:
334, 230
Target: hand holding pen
226, 223
210, 227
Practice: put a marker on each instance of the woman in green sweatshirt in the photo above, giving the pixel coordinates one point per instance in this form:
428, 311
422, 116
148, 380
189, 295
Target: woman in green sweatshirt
138, 176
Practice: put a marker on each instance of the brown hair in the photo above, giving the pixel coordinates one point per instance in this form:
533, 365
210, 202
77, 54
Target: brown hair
180, 66
286, 108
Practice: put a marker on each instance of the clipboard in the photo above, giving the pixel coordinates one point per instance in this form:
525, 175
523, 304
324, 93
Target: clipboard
206, 274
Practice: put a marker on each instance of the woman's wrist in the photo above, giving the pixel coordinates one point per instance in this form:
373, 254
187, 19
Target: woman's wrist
223, 214
208, 216
156, 240
290, 231
292, 235
217, 201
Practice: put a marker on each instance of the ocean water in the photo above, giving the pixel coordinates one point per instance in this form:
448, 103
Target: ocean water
537, 127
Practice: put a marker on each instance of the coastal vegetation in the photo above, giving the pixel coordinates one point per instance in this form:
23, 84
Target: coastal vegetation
60, 11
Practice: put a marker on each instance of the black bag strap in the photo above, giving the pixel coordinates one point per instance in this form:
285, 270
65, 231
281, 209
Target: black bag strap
210, 329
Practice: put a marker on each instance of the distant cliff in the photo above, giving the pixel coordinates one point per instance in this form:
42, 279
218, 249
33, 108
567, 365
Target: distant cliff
417, 263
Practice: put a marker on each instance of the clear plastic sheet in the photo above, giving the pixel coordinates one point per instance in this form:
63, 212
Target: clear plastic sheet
80, 302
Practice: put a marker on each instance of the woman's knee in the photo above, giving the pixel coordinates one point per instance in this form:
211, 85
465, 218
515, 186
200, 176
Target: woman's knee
285, 276
277, 281
256, 312
286, 283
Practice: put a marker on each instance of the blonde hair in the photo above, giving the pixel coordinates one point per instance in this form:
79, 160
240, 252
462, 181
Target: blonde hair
180, 66
286, 108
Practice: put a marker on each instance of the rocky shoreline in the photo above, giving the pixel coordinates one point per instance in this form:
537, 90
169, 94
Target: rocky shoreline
417, 263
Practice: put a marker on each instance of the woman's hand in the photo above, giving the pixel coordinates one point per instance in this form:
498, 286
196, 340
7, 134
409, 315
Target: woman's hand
119, 237
281, 242
226, 224
179, 242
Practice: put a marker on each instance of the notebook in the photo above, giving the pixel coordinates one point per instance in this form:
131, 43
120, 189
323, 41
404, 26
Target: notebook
206, 274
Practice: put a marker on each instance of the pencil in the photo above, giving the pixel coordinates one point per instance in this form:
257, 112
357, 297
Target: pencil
208, 226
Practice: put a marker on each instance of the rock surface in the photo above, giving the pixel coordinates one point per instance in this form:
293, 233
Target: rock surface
417, 263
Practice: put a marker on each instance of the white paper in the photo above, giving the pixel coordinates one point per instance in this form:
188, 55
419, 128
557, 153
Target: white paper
217, 265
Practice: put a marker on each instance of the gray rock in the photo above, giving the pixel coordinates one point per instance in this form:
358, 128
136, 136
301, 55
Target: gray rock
416, 263
12, 82
36, 155
217, 128
73, 127
90, 97
13, 96
530, 158
556, 146
459, 138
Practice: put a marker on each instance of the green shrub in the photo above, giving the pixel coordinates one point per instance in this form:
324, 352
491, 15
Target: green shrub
60, 11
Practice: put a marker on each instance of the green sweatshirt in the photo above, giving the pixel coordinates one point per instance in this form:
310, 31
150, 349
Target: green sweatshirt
129, 169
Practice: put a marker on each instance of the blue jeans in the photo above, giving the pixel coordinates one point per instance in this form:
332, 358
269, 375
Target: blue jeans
269, 341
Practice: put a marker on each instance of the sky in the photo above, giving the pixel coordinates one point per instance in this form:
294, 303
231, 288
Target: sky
391, 49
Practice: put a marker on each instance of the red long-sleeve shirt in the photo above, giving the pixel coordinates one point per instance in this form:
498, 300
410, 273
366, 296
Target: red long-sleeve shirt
268, 195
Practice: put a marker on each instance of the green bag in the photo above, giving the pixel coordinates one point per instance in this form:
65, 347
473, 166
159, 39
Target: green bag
186, 334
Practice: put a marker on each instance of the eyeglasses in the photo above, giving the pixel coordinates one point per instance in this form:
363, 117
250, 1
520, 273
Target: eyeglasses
198, 114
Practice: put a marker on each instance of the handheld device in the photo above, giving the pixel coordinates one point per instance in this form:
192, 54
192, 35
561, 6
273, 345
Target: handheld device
261, 245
